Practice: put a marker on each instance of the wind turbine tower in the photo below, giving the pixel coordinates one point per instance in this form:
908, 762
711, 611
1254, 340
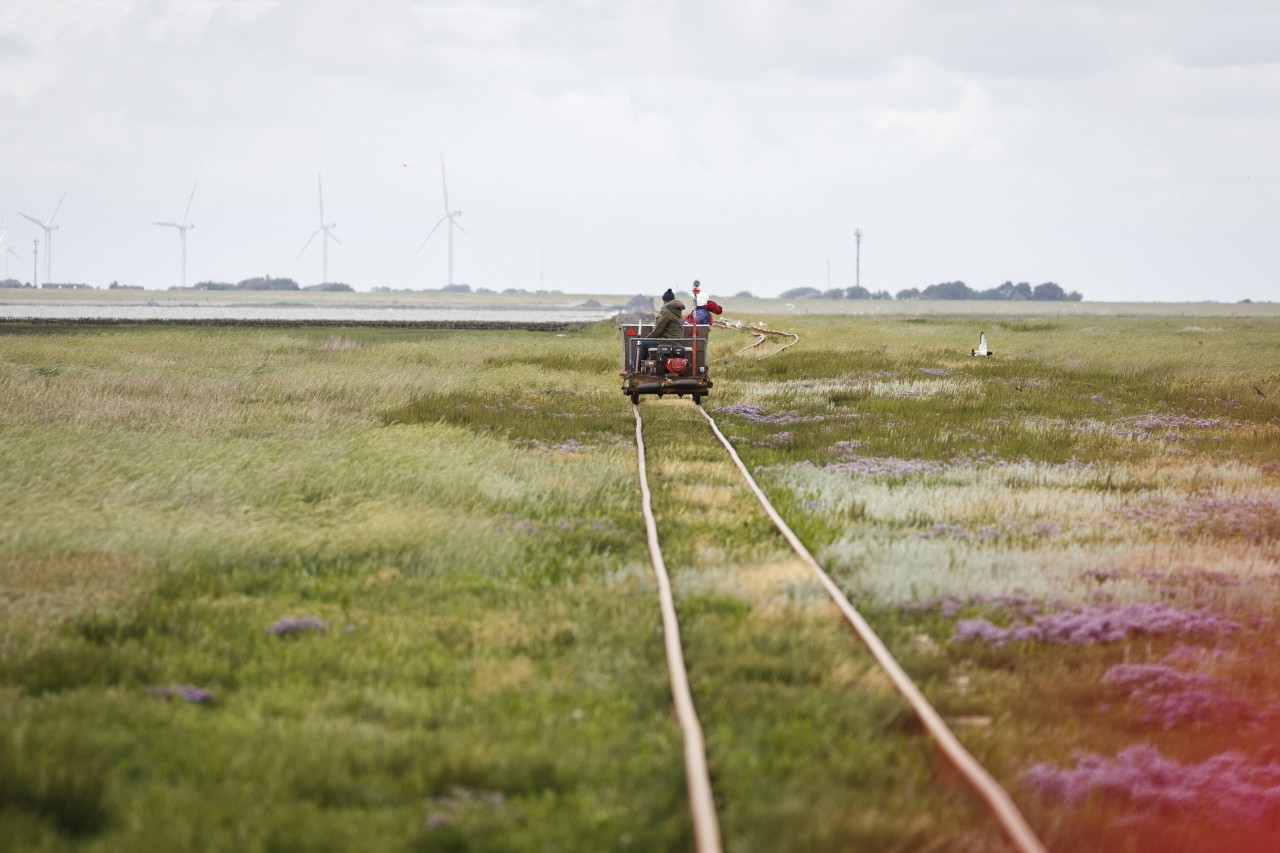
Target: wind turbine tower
857, 261
324, 241
183, 226
449, 215
49, 228
6, 250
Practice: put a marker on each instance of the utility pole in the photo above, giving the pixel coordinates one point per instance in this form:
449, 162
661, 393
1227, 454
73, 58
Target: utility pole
857, 263
35, 263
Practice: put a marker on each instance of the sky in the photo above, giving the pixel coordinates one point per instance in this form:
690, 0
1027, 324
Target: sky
1125, 149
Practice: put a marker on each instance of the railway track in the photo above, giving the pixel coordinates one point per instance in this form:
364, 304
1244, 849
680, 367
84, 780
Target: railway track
701, 801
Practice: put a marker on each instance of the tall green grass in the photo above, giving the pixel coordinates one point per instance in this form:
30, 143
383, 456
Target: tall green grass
461, 510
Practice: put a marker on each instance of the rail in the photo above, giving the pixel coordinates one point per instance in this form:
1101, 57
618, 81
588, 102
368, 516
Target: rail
701, 802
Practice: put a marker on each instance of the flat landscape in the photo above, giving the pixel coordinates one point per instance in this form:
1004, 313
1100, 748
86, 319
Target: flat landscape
351, 588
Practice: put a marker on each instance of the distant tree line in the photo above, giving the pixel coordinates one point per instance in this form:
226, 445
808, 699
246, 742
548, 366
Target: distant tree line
1047, 292
264, 282
835, 293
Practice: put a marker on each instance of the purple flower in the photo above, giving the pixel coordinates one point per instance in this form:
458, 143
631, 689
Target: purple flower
288, 625
1225, 787
1103, 624
948, 531
775, 440
1143, 425
948, 606
757, 414
186, 692
1249, 519
1172, 697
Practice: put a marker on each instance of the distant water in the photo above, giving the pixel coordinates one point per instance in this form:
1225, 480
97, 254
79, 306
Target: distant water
295, 313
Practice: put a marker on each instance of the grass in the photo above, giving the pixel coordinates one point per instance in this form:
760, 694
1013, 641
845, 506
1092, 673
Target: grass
460, 510
1080, 468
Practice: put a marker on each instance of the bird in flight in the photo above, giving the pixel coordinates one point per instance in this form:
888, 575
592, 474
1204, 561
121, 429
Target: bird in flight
982, 346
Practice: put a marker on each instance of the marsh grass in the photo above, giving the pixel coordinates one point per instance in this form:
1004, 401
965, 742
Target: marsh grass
1076, 468
460, 510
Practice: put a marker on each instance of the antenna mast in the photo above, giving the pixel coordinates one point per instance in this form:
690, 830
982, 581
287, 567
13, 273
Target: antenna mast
857, 263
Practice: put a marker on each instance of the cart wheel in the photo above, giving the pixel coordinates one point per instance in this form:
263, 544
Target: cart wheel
635, 399
697, 399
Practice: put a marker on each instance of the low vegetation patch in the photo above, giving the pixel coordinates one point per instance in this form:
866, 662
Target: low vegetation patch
353, 588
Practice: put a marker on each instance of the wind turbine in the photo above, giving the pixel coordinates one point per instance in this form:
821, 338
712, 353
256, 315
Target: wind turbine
450, 215
182, 227
324, 241
49, 228
6, 250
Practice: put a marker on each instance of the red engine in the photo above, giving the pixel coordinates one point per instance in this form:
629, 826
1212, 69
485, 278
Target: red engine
678, 366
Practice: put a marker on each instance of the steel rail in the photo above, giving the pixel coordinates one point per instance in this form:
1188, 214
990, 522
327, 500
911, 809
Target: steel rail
795, 339
997, 798
706, 826
759, 339
762, 334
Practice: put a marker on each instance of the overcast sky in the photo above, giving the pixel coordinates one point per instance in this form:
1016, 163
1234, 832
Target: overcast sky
1126, 149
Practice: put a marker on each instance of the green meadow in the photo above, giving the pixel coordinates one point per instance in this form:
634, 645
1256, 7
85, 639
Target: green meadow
453, 517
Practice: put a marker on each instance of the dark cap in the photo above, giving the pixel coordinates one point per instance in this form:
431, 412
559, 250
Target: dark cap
668, 296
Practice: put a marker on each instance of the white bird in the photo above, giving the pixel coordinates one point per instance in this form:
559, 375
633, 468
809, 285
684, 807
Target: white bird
982, 346
792, 307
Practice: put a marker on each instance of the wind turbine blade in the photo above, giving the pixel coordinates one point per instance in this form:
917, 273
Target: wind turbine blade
10, 250
56, 209
444, 186
168, 224
429, 233
456, 225
320, 185
33, 219
308, 243
334, 236
189, 200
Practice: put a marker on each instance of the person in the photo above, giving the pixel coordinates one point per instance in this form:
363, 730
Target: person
668, 325
700, 315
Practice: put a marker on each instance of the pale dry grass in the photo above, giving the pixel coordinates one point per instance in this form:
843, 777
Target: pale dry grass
888, 568
1085, 501
820, 390
499, 676
38, 594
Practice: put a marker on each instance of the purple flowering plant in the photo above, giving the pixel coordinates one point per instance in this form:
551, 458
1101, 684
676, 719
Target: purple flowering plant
287, 626
1225, 788
1250, 519
186, 692
1085, 626
1173, 697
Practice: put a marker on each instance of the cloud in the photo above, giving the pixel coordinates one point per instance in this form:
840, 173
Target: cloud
14, 46
639, 138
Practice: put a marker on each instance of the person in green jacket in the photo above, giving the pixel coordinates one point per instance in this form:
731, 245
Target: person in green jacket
670, 324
